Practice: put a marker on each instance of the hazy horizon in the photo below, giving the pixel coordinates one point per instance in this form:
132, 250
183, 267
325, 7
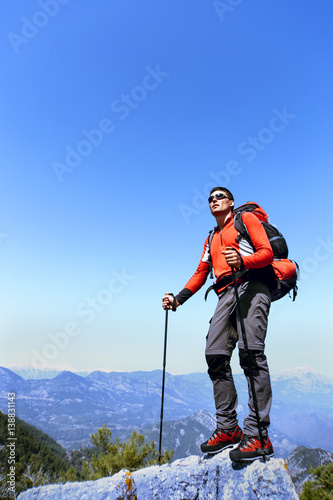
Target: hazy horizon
13, 368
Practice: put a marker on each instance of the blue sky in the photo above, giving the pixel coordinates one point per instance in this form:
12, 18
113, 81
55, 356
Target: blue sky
117, 118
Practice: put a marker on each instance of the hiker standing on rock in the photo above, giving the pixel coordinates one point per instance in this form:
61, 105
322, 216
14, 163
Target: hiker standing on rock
227, 252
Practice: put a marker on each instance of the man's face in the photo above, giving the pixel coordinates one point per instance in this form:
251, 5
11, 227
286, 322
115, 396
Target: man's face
220, 203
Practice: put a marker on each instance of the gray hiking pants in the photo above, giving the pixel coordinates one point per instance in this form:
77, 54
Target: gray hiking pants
223, 335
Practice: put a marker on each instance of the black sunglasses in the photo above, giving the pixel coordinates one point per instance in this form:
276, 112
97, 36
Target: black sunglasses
218, 196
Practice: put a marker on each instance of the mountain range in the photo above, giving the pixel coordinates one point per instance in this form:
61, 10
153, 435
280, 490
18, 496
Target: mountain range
70, 407
300, 461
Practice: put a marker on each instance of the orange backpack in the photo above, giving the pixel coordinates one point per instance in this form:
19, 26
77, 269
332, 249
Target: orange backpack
286, 271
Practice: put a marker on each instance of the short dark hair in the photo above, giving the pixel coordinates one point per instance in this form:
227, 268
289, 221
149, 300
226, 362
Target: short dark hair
225, 190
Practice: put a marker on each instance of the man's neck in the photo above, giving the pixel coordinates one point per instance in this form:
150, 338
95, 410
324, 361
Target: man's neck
222, 219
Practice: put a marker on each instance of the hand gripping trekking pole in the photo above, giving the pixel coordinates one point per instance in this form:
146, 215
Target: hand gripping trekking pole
163, 378
255, 401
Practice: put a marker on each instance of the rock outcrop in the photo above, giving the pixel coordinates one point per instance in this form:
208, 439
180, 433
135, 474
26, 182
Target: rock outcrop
191, 478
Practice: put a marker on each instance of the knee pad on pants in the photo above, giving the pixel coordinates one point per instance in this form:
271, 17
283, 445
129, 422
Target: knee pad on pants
255, 357
218, 366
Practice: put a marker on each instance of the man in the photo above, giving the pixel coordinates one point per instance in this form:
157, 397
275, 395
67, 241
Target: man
227, 251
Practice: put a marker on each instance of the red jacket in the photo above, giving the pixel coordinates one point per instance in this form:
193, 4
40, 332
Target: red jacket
263, 255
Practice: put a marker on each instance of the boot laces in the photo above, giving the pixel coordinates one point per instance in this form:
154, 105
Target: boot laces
245, 439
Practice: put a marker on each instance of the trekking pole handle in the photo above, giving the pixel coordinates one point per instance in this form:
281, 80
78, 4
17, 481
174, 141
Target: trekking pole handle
174, 308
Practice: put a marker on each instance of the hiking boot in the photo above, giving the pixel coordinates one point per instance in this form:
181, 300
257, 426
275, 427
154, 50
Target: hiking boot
250, 449
221, 440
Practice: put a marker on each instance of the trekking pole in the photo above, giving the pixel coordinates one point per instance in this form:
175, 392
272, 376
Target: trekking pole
255, 401
163, 382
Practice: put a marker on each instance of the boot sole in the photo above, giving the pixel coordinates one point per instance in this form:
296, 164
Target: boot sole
210, 452
251, 459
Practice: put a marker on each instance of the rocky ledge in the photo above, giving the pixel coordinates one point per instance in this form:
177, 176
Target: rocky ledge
191, 478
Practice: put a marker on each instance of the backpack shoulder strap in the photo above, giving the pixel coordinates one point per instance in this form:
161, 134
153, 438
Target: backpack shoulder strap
250, 206
240, 226
210, 237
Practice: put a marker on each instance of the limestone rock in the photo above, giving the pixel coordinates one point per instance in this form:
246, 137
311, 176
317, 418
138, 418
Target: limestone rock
191, 478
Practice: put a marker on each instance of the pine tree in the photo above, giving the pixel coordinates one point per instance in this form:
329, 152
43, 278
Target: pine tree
38, 459
132, 454
321, 486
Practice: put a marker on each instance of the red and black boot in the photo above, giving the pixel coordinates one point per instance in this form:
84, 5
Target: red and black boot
221, 440
249, 449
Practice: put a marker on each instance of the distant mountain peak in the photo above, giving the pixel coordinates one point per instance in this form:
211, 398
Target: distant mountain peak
301, 372
8, 374
67, 375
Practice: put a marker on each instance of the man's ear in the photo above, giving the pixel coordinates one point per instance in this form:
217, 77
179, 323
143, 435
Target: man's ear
232, 204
